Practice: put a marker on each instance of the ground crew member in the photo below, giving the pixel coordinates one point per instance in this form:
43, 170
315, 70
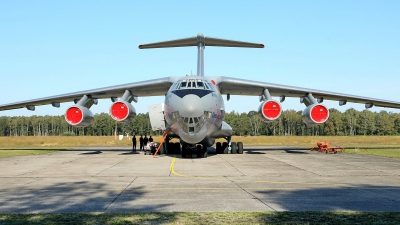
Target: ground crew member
141, 142
134, 143
151, 139
145, 140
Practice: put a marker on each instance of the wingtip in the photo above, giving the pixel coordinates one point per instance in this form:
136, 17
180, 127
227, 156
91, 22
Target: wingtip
140, 46
262, 45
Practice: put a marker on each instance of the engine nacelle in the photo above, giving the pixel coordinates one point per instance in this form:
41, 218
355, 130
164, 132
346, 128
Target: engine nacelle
270, 110
315, 114
78, 116
122, 111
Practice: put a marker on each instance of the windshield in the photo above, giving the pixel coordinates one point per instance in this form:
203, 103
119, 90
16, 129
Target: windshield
192, 84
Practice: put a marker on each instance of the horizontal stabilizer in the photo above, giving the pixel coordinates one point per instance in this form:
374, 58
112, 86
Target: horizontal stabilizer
194, 41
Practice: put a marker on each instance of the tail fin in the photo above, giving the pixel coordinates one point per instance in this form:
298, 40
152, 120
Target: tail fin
200, 41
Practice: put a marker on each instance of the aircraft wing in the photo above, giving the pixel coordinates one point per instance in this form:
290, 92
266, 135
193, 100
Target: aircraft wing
156, 87
235, 86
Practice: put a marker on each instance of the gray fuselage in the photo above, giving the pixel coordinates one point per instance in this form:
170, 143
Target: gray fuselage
194, 110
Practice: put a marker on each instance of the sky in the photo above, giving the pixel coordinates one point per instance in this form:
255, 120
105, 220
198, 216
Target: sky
56, 47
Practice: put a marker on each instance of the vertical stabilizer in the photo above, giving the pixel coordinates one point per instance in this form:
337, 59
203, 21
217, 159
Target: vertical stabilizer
200, 55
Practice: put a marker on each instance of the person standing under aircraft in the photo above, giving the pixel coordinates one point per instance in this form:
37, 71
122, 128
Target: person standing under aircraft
141, 142
134, 143
145, 140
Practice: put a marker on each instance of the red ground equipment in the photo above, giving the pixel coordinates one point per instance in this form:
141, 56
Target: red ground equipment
324, 147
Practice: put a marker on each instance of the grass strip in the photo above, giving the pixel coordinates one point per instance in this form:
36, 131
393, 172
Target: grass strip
206, 218
4, 153
383, 152
109, 141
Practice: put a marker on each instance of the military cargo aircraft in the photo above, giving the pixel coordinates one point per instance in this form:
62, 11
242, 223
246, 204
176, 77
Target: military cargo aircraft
194, 109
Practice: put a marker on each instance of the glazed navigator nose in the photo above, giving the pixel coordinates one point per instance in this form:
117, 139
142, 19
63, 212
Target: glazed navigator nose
191, 106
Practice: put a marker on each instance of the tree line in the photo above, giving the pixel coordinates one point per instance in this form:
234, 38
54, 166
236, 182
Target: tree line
348, 123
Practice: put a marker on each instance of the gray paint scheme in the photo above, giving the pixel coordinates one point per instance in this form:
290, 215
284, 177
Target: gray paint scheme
208, 108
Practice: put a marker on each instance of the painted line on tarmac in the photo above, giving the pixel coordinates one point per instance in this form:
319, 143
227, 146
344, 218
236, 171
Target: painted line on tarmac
172, 170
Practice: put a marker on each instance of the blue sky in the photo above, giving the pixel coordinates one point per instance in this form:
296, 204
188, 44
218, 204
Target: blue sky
55, 47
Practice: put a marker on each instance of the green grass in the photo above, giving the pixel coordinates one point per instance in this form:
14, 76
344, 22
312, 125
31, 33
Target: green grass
4, 153
383, 152
207, 218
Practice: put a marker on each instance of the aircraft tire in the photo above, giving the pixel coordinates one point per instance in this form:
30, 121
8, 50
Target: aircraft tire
234, 148
170, 148
225, 148
177, 147
240, 147
218, 147
199, 152
183, 151
205, 153
161, 150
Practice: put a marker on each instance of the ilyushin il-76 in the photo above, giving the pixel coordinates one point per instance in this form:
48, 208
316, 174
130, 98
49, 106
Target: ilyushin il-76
193, 110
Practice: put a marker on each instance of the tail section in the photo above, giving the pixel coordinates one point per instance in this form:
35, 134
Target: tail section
200, 41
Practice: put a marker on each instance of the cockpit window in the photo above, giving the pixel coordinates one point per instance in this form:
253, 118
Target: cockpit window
183, 85
193, 84
177, 86
200, 84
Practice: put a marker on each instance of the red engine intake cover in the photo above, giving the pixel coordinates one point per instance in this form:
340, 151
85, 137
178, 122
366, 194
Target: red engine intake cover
270, 110
319, 113
73, 115
315, 114
79, 116
122, 111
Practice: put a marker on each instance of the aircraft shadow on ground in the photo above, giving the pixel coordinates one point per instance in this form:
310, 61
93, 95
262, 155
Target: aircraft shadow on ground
211, 151
91, 153
360, 198
84, 196
75, 197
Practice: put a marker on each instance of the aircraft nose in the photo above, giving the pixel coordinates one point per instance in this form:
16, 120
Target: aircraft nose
191, 106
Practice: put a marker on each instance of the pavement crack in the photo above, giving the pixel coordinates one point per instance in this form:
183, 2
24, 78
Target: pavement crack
105, 209
253, 196
293, 165
243, 174
46, 168
109, 167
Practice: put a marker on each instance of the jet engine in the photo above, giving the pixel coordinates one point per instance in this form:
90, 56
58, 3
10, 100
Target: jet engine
122, 111
270, 110
78, 116
315, 114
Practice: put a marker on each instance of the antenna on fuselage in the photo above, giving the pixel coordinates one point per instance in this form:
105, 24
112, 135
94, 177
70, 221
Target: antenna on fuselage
201, 42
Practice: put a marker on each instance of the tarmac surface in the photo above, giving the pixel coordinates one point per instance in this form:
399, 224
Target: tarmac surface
262, 179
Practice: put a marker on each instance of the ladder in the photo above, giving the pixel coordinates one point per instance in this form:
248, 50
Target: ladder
164, 136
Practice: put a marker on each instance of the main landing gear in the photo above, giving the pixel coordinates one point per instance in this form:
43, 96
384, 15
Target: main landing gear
229, 147
189, 149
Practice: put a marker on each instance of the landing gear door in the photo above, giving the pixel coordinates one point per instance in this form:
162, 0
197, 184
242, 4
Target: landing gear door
156, 114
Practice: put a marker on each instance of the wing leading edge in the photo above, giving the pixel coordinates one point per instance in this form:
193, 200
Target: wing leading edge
156, 87
235, 86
